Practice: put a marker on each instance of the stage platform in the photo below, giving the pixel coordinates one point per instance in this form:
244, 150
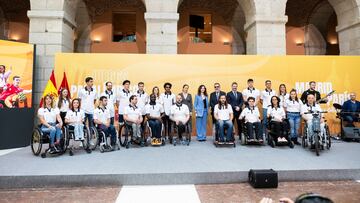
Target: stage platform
199, 163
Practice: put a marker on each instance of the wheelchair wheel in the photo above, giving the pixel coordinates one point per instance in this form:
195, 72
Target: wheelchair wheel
317, 144
243, 139
304, 142
93, 138
102, 148
36, 141
86, 136
66, 139
271, 141
328, 138
123, 136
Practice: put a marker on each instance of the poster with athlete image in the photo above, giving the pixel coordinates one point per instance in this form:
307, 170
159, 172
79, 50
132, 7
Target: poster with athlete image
16, 74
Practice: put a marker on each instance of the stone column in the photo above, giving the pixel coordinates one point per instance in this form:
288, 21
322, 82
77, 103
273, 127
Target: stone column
161, 26
349, 37
161, 33
51, 30
266, 36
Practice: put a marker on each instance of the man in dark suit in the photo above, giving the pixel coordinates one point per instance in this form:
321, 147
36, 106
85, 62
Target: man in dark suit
235, 99
351, 110
214, 99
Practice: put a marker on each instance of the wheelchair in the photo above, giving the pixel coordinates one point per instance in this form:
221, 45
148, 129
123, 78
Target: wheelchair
70, 135
104, 140
155, 141
347, 132
185, 140
126, 138
271, 134
245, 137
39, 138
216, 136
319, 140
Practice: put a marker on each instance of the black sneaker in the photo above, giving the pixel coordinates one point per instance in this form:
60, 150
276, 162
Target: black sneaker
52, 150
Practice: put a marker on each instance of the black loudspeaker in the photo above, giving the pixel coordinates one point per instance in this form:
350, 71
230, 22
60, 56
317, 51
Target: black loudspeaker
263, 178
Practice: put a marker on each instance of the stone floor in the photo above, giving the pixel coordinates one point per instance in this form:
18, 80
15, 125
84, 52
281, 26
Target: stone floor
60, 195
338, 191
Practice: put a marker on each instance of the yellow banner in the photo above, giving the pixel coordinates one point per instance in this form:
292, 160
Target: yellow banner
339, 73
18, 59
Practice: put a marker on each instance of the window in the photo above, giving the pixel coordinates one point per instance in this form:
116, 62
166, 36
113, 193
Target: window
124, 27
200, 28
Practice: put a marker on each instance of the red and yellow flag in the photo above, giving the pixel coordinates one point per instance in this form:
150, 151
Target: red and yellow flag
64, 85
50, 88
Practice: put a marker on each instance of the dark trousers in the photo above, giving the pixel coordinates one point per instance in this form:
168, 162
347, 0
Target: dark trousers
62, 115
167, 124
90, 119
181, 128
250, 130
238, 121
108, 131
279, 129
155, 126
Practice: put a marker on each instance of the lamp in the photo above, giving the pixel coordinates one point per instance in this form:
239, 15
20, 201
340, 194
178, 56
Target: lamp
97, 40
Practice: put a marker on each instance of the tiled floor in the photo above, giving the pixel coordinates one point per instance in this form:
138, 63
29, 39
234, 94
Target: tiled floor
338, 191
60, 195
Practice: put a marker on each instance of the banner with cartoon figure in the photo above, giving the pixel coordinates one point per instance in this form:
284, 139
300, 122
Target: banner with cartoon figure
16, 74
339, 73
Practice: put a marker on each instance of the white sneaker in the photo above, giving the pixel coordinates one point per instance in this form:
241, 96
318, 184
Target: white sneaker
81, 144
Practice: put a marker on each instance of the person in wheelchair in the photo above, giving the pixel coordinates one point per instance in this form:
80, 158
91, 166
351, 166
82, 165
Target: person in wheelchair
224, 114
311, 106
51, 123
75, 119
102, 120
278, 124
154, 112
350, 111
251, 115
133, 117
180, 115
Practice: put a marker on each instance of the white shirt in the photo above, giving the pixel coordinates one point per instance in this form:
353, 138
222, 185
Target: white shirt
276, 114
305, 108
49, 114
293, 105
3, 78
283, 98
101, 114
64, 106
251, 93
111, 101
154, 110
250, 115
133, 113
266, 97
167, 100
123, 97
75, 116
179, 113
143, 99
223, 113
87, 100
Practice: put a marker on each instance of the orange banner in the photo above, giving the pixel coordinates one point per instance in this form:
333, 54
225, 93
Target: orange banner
16, 74
340, 73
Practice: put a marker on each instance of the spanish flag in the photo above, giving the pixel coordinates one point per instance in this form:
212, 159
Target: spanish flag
50, 88
64, 85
